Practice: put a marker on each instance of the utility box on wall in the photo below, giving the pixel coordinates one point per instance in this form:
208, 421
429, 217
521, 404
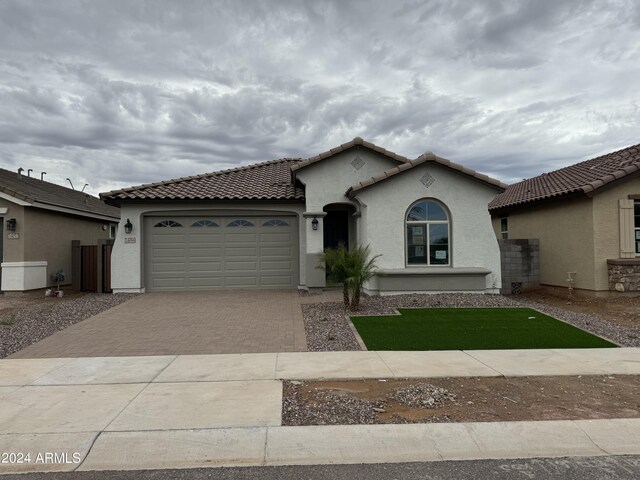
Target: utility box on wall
520, 264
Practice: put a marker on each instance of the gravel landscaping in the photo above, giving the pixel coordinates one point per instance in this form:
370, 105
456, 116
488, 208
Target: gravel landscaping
27, 325
327, 329
422, 395
462, 399
338, 408
342, 407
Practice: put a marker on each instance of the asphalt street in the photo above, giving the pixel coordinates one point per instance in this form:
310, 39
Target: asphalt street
568, 468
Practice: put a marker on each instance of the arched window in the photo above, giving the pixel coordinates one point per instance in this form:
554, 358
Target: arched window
204, 223
240, 223
275, 223
427, 226
167, 223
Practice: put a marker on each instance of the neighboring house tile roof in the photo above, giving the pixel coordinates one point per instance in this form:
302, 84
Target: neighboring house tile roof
262, 181
584, 177
346, 146
44, 194
424, 158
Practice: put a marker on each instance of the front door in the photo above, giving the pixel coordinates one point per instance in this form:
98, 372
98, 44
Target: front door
336, 229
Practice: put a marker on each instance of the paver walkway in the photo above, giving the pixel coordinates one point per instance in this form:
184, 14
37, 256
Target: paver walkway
212, 410
184, 323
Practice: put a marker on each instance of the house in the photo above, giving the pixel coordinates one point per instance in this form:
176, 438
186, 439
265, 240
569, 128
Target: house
266, 225
586, 217
38, 221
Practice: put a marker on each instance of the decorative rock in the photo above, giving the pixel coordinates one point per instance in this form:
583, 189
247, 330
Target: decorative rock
624, 278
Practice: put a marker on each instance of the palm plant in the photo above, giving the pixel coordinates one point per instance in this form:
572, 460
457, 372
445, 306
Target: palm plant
351, 268
363, 267
336, 261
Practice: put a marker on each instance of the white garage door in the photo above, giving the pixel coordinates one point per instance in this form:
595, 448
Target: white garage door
209, 252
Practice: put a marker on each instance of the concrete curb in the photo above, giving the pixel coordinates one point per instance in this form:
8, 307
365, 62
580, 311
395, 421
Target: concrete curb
225, 410
340, 444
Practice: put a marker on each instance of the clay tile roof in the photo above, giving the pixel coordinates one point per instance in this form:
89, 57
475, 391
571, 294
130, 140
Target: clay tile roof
267, 180
582, 177
425, 157
36, 191
346, 146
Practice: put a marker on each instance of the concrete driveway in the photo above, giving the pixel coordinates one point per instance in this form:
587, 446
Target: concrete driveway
184, 323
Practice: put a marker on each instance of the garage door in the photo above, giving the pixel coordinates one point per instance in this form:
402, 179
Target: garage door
209, 252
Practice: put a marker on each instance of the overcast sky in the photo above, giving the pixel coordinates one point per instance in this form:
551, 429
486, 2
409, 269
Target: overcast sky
117, 93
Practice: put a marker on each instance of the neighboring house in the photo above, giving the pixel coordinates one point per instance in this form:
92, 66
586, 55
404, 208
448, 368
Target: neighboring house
583, 216
38, 221
266, 225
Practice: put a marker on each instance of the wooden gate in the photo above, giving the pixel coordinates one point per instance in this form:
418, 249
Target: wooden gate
89, 266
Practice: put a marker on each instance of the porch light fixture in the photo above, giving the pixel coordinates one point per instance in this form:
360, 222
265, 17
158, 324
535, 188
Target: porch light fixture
11, 225
314, 223
128, 227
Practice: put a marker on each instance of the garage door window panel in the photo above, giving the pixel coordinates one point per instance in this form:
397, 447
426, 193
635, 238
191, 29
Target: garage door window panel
240, 223
205, 223
167, 224
276, 222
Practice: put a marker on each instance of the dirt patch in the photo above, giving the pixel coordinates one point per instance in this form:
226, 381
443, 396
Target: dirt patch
620, 309
471, 399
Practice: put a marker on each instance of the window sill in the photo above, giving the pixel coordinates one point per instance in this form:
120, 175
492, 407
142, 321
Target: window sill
439, 270
623, 261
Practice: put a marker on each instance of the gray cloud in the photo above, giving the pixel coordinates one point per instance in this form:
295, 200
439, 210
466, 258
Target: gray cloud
119, 93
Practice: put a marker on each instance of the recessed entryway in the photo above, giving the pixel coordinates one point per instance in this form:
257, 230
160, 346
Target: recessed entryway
338, 225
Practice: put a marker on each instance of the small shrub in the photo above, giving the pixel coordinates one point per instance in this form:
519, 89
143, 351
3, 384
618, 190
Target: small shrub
7, 319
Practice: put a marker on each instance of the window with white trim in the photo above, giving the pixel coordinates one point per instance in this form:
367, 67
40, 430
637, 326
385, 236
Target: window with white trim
636, 225
427, 227
504, 227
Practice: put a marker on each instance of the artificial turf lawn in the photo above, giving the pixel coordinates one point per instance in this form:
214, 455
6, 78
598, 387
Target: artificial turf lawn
471, 329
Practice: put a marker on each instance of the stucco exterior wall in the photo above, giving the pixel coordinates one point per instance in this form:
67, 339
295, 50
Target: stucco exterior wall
565, 230
472, 240
127, 259
328, 180
606, 218
495, 223
47, 236
13, 248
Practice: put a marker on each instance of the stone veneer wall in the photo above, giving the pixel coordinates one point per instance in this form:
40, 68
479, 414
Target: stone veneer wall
520, 260
624, 275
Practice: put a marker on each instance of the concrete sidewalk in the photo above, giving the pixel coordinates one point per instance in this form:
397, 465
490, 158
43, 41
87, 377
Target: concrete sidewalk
212, 410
